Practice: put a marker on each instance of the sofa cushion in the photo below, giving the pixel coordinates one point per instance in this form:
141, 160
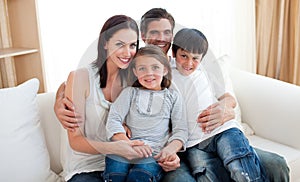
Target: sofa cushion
291, 155
24, 155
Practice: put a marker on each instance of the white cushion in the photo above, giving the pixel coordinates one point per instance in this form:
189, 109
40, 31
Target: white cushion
24, 155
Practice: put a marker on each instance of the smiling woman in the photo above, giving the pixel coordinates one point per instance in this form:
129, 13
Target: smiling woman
92, 90
229, 25
121, 47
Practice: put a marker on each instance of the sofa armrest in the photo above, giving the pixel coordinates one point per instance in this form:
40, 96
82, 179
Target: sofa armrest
51, 128
271, 107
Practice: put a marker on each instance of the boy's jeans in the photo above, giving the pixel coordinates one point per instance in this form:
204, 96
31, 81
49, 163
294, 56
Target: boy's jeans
120, 169
238, 157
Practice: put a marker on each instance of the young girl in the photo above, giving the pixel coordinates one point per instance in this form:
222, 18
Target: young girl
147, 107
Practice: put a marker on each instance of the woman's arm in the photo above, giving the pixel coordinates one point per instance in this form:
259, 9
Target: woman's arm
76, 91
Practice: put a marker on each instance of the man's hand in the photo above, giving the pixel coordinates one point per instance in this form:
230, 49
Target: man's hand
218, 113
64, 110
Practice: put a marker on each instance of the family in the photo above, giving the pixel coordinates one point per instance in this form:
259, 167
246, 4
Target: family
136, 114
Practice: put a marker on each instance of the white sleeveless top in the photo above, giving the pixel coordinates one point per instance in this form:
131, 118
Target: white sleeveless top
95, 120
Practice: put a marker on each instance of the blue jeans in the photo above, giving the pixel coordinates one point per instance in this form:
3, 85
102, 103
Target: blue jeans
90, 177
280, 173
234, 150
120, 169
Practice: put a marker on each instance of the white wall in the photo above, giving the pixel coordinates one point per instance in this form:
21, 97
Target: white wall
69, 27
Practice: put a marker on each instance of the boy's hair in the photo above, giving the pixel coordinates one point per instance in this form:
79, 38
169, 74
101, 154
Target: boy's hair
191, 40
156, 53
155, 14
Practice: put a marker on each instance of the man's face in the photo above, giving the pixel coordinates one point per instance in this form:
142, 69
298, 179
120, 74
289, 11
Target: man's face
159, 33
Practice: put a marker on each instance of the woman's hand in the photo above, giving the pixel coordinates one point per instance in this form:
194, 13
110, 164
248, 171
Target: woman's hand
125, 148
218, 113
143, 150
64, 110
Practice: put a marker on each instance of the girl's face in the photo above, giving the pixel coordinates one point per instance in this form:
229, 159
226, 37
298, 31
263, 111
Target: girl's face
149, 72
186, 62
159, 33
121, 47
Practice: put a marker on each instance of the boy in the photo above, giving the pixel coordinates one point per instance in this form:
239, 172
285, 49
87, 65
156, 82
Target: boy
226, 141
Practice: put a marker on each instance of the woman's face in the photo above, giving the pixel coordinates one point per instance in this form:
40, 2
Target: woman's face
121, 47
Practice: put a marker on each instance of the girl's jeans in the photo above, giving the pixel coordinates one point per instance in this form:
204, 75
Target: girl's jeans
120, 169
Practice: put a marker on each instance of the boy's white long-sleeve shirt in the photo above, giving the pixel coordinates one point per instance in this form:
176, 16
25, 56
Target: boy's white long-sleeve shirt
197, 94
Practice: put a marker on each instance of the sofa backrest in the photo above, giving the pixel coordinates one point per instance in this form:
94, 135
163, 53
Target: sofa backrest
52, 129
269, 106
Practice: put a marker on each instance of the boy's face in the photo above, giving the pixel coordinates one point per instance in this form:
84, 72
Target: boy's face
186, 62
159, 33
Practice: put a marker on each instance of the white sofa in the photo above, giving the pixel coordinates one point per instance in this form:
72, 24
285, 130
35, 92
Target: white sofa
270, 107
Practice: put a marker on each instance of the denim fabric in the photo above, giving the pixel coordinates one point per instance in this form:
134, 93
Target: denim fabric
181, 174
238, 157
90, 177
120, 169
268, 160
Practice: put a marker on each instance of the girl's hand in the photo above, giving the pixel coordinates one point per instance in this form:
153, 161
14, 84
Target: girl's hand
167, 157
171, 164
166, 154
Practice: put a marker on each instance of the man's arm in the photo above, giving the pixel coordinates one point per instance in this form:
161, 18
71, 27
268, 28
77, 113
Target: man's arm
218, 113
64, 110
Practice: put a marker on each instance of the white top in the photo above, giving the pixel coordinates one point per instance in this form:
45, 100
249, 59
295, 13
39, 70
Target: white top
198, 95
96, 112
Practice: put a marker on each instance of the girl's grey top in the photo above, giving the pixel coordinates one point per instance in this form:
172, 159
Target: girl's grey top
148, 113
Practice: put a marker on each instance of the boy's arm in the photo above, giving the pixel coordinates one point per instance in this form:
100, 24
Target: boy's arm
218, 113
